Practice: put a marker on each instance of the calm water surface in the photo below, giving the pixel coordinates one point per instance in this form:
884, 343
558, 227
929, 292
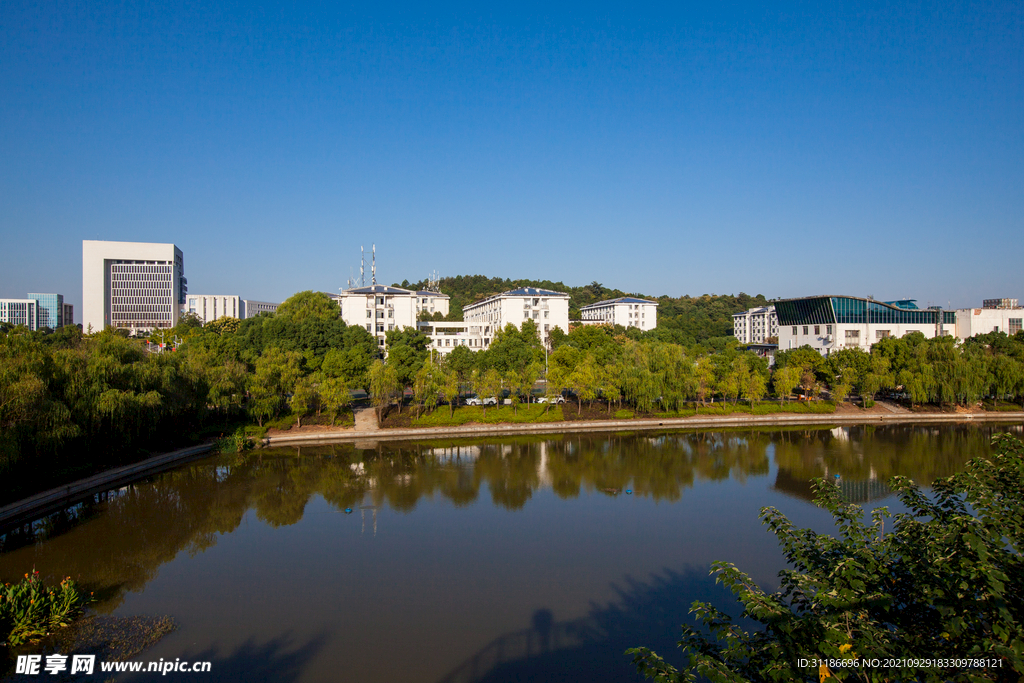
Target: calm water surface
532, 558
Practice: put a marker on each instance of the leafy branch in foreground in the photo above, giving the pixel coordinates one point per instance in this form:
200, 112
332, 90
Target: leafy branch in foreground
945, 583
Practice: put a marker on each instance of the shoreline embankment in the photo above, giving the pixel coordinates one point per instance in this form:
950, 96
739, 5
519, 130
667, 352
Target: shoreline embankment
44, 503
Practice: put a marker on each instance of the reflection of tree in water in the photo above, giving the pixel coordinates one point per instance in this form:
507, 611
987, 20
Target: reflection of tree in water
118, 544
865, 457
591, 648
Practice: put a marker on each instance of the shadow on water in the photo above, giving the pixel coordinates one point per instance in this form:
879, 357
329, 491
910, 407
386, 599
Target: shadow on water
279, 660
591, 648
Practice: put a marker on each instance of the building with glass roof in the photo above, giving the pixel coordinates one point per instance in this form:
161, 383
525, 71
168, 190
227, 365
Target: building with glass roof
831, 323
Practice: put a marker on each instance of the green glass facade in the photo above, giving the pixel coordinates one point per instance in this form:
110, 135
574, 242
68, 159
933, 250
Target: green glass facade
847, 310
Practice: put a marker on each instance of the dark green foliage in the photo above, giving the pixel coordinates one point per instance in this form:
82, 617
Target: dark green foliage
684, 320
946, 582
30, 610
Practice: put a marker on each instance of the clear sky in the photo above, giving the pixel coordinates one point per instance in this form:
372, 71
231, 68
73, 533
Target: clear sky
775, 148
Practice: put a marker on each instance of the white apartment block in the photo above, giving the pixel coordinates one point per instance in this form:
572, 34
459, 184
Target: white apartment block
20, 312
210, 307
378, 308
626, 311
137, 286
431, 302
544, 307
755, 325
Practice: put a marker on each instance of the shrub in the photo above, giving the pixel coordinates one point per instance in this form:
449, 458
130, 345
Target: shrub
946, 582
493, 415
29, 610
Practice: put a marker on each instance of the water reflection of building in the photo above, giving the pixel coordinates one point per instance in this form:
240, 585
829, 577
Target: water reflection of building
854, 491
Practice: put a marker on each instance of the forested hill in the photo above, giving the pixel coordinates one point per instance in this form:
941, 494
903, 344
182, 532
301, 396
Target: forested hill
684, 319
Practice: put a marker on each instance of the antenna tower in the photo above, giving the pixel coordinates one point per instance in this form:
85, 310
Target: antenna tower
373, 266
362, 268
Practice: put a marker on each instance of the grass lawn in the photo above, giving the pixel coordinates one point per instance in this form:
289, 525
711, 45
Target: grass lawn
442, 417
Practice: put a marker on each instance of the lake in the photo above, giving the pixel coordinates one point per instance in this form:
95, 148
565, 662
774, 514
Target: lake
535, 558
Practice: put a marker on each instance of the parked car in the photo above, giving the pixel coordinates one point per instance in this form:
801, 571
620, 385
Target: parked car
553, 399
477, 401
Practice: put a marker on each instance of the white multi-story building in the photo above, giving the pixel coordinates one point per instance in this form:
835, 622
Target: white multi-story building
210, 307
446, 336
627, 311
755, 325
20, 312
378, 308
431, 302
544, 307
138, 286
1002, 318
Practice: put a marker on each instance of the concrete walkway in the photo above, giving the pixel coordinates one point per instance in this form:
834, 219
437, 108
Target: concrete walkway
740, 420
893, 408
366, 420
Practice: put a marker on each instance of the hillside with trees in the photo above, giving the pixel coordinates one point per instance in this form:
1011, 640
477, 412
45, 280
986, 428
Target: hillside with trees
681, 320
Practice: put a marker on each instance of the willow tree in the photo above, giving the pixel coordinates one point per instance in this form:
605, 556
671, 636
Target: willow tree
384, 385
335, 396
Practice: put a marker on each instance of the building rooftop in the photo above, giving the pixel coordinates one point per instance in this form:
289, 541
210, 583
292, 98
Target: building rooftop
427, 292
532, 291
378, 289
620, 300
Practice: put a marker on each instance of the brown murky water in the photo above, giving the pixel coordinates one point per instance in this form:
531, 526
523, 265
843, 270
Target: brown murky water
533, 558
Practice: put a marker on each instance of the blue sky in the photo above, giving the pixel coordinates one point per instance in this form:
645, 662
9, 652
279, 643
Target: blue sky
781, 149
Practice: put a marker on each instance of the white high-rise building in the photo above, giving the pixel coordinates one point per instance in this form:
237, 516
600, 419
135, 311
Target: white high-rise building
544, 307
627, 311
138, 286
755, 325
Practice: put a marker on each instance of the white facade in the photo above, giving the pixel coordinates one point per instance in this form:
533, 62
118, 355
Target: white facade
210, 307
446, 336
20, 312
755, 325
431, 302
973, 321
378, 308
544, 307
626, 311
251, 308
138, 286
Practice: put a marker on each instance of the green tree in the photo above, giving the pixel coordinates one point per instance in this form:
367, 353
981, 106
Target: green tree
755, 387
488, 385
450, 387
304, 398
785, 380
275, 375
335, 396
427, 385
384, 385
943, 583
309, 305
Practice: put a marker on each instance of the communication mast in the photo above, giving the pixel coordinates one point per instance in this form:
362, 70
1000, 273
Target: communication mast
362, 268
373, 265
